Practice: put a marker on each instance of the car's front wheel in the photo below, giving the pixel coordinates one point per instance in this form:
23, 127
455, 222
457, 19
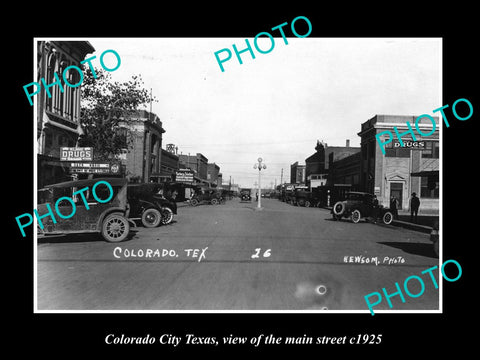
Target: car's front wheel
115, 228
307, 203
194, 202
214, 201
151, 218
356, 216
387, 218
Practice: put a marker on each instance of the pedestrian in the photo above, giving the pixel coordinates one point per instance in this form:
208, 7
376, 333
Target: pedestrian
256, 196
414, 205
375, 209
394, 207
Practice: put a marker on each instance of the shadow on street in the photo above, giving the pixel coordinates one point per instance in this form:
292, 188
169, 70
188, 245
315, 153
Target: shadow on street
421, 249
78, 238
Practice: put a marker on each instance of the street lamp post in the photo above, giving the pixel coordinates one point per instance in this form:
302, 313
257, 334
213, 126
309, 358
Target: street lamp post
259, 166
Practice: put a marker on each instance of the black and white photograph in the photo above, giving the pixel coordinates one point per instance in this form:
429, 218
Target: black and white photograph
299, 181
204, 174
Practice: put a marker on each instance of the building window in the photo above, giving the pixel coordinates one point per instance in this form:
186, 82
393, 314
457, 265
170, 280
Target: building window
432, 150
400, 152
429, 189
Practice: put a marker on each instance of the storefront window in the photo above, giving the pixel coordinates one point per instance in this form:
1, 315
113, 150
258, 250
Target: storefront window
429, 189
432, 150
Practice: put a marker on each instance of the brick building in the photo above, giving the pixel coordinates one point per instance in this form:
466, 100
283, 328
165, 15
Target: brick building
317, 165
213, 174
169, 165
297, 173
58, 116
345, 171
143, 158
198, 163
402, 170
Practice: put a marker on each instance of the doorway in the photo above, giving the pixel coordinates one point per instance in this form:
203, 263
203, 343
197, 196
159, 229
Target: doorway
396, 189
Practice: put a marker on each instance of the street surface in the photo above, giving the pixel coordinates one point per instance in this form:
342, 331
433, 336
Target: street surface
234, 257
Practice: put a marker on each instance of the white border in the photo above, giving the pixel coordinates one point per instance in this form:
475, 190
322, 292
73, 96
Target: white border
366, 311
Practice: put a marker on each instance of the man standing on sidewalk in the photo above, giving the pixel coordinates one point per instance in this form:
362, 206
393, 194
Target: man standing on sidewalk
414, 205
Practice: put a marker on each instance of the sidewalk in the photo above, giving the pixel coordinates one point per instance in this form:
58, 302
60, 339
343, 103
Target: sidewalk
425, 221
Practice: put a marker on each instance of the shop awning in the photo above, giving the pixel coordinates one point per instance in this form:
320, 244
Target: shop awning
426, 173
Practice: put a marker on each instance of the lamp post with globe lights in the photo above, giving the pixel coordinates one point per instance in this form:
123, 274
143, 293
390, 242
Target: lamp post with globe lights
259, 166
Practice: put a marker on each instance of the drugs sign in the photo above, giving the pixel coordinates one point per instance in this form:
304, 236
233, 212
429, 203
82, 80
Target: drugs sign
76, 154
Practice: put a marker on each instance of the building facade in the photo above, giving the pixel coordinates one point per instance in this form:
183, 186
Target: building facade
198, 163
345, 171
169, 166
143, 158
58, 112
297, 173
317, 165
402, 170
213, 172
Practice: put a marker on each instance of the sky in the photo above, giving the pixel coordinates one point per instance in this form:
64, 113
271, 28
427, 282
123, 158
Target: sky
279, 104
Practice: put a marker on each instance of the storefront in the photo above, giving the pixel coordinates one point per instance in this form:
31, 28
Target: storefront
402, 170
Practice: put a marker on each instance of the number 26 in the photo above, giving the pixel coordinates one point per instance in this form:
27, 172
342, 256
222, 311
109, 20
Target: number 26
266, 254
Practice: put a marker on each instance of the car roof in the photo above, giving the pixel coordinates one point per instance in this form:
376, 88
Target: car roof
87, 182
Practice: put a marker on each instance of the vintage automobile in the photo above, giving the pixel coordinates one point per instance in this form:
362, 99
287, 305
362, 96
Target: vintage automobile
245, 195
206, 195
358, 205
149, 204
89, 215
303, 197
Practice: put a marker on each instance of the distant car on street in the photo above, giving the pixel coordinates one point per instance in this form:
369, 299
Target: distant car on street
149, 205
90, 215
359, 205
245, 195
206, 196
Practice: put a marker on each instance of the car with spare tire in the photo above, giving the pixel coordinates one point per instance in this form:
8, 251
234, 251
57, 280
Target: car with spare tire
89, 213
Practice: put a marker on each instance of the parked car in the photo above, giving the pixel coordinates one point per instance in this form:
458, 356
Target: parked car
303, 197
150, 205
359, 205
90, 215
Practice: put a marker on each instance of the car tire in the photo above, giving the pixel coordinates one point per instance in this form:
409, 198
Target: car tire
194, 202
356, 216
387, 218
307, 203
339, 208
167, 215
151, 218
214, 202
115, 228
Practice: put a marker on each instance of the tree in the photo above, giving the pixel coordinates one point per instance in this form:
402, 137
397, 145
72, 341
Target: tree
105, 109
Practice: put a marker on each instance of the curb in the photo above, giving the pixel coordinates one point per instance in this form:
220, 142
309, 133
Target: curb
411, 226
